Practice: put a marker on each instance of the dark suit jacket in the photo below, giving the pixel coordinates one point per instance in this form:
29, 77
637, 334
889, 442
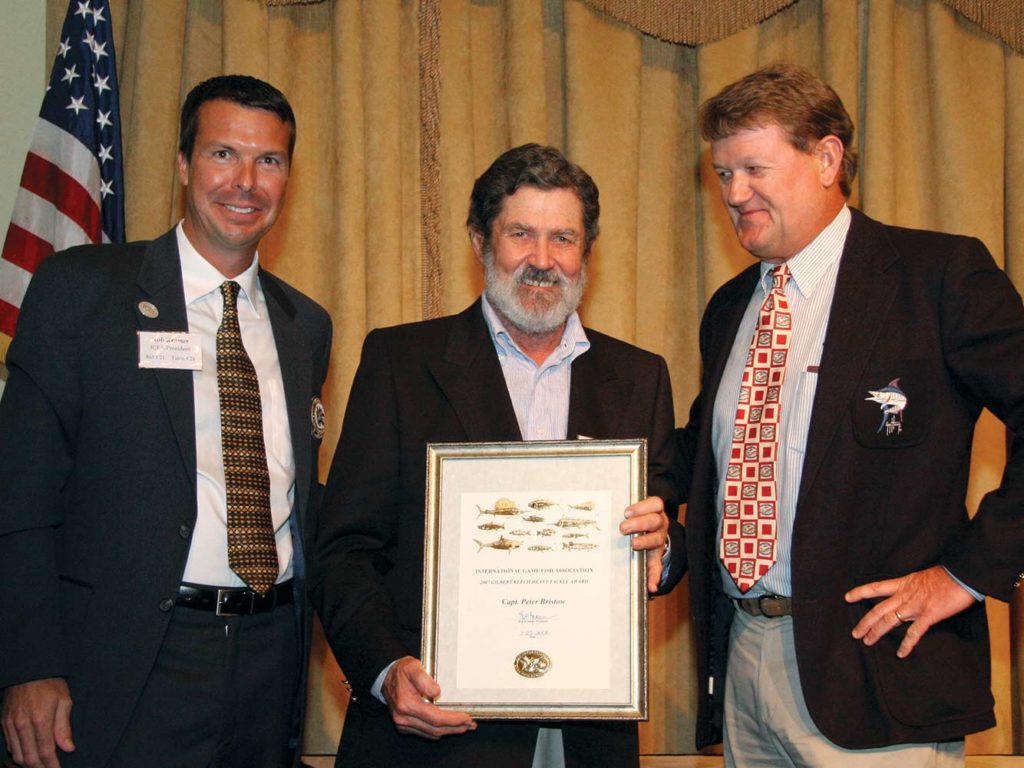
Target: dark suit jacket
98, 475
934, 311
440, 381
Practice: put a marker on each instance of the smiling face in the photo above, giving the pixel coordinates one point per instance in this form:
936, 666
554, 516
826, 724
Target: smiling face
534, 265
778, 197
234, 182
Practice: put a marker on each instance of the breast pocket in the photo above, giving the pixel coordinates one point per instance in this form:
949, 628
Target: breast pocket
891, 406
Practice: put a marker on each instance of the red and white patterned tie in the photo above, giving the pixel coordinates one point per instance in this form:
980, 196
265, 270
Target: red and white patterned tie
750, 514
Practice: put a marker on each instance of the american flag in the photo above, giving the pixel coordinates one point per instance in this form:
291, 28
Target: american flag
72, 189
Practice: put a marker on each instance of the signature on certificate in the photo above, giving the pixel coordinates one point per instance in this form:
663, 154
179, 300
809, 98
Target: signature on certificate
532, 623
529, 617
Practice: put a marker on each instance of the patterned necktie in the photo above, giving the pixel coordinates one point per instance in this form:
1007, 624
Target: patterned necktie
750, 514
252, 551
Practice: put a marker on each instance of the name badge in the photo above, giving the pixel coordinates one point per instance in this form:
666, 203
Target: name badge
169, 349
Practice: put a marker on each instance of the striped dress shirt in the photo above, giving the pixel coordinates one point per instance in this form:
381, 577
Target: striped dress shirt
540, 393
809, 291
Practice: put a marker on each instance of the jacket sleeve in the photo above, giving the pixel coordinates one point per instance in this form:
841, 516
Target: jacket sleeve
983, 338
663, 466
685, 444
357, 527
39, 414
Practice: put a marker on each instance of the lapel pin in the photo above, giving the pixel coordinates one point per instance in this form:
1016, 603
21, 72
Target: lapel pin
318, 418
148, 309
893, 401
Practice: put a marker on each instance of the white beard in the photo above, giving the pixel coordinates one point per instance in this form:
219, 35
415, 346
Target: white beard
503, 292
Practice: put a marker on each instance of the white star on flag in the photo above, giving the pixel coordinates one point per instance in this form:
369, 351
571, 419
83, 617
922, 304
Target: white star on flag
77, 104
70, 74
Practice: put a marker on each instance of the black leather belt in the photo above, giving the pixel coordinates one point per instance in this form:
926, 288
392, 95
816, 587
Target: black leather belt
769, 606
233, 602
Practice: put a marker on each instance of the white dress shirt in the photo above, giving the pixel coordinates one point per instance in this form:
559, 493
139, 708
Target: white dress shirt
208, 553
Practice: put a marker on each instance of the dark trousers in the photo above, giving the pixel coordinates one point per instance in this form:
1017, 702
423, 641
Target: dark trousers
221, 694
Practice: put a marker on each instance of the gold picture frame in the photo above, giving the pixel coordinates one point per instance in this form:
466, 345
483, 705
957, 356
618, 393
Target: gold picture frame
535, 606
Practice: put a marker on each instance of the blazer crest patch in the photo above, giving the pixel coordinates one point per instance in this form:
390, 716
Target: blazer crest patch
317, 418
893, 401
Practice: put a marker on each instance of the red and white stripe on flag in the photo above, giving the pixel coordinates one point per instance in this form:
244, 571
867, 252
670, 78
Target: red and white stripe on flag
71, 190
57, 206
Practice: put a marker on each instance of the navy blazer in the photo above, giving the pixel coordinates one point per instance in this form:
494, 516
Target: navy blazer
98, 475
934, 311
440, 381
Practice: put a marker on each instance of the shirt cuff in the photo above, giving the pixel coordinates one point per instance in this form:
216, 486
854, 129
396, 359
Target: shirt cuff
666, 560
978, 596
377, 689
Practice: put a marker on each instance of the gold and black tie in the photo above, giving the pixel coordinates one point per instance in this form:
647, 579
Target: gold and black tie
252, 551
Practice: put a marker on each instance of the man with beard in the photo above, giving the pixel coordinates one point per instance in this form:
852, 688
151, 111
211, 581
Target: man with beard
516, 365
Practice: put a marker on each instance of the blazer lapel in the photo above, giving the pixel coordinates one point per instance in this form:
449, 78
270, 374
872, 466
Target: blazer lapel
470, 377
718, 332
720, 342
860, 305
159, 283
295, 360
597, 395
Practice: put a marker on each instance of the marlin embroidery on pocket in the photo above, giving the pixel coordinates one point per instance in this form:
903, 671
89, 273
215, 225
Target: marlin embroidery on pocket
893, 401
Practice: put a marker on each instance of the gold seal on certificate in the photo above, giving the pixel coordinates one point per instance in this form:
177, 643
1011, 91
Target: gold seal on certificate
532, 663
534, 604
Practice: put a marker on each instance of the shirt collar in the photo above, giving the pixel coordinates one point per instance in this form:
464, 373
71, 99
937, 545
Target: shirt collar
811, 263
573, 344
200, 277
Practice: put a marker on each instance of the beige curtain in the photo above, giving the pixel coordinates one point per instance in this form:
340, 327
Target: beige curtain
401, 104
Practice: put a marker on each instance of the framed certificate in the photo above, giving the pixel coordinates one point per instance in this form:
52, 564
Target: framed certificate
534, 604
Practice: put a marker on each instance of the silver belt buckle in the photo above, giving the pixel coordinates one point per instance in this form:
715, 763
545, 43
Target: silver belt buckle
222, 595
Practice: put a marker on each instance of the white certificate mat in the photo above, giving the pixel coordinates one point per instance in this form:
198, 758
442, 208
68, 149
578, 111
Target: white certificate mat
535, 604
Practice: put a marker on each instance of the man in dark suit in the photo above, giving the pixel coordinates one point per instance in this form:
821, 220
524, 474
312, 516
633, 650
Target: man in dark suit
153, 556
515, 365
849, 603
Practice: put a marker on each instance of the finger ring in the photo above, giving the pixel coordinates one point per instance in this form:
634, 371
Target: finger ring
899, 618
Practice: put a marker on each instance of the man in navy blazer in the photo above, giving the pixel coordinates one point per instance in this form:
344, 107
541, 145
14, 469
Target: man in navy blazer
516, 365
127, 639
864, 642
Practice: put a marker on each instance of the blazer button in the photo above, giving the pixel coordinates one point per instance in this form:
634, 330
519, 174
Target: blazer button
166, 604
184, 531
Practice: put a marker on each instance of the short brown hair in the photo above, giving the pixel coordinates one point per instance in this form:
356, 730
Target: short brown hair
799, 101
532, 165
243, 90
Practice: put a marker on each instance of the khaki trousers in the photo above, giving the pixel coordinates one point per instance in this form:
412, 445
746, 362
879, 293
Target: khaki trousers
766, 720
